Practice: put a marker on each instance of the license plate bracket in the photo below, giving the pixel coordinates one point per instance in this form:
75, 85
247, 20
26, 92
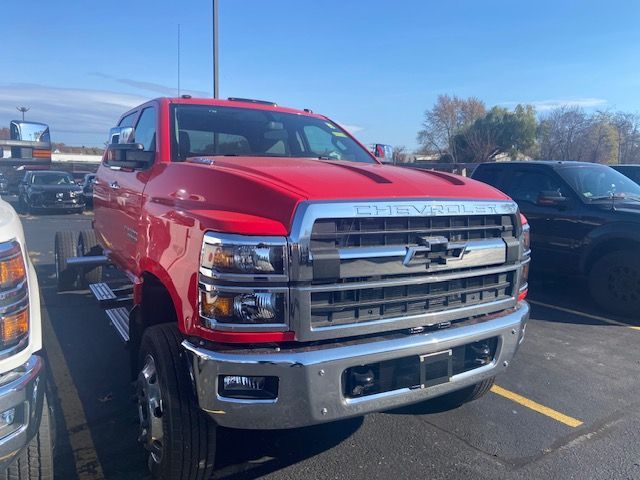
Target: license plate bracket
436, 368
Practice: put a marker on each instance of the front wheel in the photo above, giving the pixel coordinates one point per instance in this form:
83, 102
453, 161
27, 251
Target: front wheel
614, 282
36, 460
179, 437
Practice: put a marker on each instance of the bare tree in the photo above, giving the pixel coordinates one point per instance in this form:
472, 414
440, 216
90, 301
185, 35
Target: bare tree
444, 120
399, 154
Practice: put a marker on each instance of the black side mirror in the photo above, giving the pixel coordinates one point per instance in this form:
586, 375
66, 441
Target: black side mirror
551, 198
129, 155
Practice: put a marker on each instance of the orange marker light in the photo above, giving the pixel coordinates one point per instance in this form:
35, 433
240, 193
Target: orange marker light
215, 306
12, 271
14, 326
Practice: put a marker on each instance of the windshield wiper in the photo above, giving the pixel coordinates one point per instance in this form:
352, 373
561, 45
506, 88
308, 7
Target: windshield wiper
618, 196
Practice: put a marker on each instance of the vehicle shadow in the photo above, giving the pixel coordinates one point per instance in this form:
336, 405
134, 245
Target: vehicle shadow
249, 454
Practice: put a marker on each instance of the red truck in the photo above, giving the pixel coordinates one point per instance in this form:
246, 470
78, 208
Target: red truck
280, 276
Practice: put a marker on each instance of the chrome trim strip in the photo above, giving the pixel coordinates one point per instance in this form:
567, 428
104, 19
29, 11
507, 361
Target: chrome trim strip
373, 261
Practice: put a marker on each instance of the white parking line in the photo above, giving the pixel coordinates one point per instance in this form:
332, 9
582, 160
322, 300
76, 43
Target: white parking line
584, 314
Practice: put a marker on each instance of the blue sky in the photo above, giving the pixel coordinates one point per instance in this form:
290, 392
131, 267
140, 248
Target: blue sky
374, 65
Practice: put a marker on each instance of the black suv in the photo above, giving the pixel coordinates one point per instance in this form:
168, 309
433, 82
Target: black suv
50, 190
585, 219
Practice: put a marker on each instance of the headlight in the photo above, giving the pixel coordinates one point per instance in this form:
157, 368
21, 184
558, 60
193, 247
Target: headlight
234, 254
226, 305
14, 296
231, 262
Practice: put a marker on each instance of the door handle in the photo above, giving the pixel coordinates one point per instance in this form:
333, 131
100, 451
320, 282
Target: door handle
114, 185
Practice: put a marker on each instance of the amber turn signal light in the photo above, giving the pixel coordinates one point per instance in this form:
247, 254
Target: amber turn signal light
14, 326
12, 271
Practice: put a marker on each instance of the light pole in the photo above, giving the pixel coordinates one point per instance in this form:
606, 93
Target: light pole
215, 48
23, 110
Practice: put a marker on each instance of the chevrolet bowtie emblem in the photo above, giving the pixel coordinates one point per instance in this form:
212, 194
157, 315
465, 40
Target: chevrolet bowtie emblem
436, 245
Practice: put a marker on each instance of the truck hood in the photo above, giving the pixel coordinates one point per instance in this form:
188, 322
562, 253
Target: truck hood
250, 190
312, 179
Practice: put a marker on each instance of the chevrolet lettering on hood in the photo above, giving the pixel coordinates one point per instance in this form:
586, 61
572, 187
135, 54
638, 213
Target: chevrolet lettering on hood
433, 209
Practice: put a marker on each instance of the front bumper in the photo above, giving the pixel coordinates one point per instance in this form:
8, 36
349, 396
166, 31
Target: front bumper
310, 378
58, 205
25, 394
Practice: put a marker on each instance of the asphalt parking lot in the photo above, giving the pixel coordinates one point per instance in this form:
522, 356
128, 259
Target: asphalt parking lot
568, 407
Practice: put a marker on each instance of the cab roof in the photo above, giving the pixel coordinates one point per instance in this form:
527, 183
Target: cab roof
236, 102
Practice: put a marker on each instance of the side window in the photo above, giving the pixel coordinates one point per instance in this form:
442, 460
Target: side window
146, 129
526, 185
491, 175
128, 120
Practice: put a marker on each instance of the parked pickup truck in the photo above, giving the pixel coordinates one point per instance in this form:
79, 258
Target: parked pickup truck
585, 220
28, 148
25, 420
282, 277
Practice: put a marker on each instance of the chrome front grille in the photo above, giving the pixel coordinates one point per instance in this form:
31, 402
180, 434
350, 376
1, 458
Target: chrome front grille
359, 268
368, 232
354, 306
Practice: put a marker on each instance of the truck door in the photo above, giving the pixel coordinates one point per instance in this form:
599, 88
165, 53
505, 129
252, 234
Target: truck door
552, 236
103, 201
127, 194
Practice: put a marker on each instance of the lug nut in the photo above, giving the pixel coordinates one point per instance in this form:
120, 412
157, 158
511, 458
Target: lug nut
505, 363
324, 411
321, 373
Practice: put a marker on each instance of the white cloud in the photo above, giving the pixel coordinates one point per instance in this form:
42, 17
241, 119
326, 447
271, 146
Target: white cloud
152, 87
353, 129
75, 116
546, 105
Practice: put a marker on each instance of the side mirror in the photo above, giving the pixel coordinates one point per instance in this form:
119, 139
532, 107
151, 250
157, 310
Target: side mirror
122, 152
552, 198
122, 135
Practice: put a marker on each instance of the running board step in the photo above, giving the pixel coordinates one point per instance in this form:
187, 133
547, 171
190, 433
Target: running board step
120, 319
111, 297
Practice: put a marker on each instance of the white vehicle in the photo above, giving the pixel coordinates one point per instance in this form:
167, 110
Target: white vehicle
25, 419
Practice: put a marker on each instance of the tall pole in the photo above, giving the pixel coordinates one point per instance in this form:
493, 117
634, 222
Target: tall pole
178, 59
215, 48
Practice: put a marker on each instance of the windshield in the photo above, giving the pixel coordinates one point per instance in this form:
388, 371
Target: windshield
211, 130
595, 182
51, 179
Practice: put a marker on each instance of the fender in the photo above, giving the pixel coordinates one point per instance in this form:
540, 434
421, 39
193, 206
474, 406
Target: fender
614, 231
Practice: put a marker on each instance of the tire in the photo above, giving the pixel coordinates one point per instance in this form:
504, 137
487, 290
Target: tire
35, 462
65, 247
180, 438
23, 206
614, 282
467, 394
88, 245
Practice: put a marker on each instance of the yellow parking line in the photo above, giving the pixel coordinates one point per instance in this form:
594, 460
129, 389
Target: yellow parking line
88, 465
610, 321
549, 412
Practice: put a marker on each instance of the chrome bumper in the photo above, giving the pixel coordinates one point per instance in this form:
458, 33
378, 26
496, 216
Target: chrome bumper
310, 380
25, 394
